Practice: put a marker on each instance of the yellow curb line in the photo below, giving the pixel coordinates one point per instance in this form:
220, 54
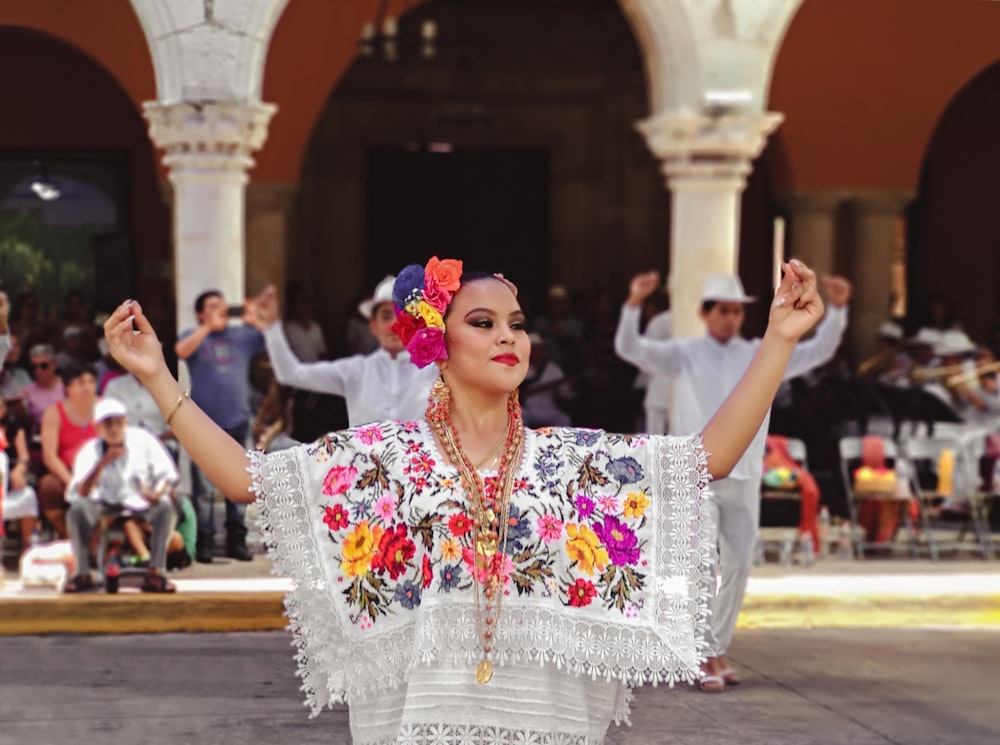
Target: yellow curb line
134, 613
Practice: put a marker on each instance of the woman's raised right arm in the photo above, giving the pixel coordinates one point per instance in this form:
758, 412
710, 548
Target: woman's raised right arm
219, 456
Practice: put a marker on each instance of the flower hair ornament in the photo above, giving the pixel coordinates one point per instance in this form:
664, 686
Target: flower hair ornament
421, 295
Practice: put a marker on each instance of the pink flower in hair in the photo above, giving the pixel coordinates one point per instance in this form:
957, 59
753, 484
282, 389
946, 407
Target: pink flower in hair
427, 346
436, 296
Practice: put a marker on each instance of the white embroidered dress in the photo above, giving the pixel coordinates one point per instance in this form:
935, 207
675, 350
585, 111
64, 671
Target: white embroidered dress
605, 570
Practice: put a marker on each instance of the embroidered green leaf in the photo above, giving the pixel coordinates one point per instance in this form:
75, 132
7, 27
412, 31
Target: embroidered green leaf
590, 475
425, 529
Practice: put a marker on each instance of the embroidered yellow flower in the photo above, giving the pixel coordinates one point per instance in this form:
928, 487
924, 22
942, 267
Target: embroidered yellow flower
360, 546
450, 550
584, 548
636, 504
431, 315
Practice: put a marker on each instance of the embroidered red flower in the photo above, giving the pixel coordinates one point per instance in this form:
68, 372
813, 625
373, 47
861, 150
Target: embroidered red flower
459, 524
394, 552
581, 593
336, 517
426, 574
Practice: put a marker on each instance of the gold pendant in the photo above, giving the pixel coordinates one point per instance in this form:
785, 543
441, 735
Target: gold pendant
484, 672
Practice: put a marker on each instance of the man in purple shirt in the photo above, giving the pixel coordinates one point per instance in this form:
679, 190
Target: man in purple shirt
218, 358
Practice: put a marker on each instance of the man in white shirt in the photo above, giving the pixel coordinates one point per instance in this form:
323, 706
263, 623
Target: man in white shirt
123, 470
704, 371
657, 399
379, 386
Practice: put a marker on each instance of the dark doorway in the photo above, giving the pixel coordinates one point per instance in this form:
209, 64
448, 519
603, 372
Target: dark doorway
487, 207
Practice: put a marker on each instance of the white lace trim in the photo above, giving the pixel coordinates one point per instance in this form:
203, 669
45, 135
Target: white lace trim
336, 667
474, 734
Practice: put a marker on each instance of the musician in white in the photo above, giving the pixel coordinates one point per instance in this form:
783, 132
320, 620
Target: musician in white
704, 370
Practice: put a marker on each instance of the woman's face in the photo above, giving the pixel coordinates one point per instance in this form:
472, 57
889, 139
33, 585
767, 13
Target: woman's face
82, 389
488, 347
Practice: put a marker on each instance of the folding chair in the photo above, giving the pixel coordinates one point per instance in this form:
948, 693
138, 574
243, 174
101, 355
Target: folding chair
781, 509
963, 506
850, 460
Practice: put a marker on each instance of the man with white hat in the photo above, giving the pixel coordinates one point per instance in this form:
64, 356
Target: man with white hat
704, 370
378, 386
123, 471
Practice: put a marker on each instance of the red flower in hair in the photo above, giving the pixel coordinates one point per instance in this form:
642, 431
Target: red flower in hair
406, 326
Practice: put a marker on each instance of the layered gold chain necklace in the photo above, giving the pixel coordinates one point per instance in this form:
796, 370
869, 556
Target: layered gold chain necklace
490, 512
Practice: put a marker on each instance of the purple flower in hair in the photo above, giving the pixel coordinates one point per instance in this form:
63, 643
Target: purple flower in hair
407, 281
427, 346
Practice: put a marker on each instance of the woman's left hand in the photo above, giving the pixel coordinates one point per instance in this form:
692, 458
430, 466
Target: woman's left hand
797, 306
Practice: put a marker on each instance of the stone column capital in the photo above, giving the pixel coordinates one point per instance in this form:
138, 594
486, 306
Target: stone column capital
807, 201
699, 149
208, 137
881, 201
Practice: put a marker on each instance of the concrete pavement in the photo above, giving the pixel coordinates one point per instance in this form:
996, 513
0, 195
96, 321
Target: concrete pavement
802, 687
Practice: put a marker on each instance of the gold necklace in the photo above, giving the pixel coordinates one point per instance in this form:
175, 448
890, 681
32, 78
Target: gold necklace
491, 516
493, 451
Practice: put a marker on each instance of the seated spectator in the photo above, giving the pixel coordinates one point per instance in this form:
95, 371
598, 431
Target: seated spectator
47, 388
19, 500
125, 471
13, 378
142, 409
66, 426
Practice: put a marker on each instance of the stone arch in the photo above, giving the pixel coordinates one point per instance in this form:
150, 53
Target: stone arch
488, 100
58, 84
954, 236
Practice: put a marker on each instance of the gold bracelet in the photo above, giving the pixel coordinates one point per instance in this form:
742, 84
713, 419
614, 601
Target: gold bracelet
176, 406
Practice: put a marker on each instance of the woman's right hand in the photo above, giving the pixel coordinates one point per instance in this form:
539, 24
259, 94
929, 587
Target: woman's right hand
265, 308
138, 351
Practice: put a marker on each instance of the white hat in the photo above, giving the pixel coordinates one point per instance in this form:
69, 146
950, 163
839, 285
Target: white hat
107, 408
724, 288
954, 342
383, 294
890, 330
926, 337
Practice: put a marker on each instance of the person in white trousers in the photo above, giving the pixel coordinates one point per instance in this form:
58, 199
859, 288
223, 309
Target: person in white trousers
704, 370
379, 386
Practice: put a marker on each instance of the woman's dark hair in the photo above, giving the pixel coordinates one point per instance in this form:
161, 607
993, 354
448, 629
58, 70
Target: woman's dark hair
470, 277
72, 370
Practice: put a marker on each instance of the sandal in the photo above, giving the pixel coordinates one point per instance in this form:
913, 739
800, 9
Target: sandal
710, 682
156, 582
80, 583
731, 677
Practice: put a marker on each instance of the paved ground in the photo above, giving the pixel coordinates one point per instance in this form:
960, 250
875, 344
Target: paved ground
811, 687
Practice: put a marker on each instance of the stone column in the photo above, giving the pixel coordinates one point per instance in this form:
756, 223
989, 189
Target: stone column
812, 227
267, 235
207, 151
705, 160
878, 227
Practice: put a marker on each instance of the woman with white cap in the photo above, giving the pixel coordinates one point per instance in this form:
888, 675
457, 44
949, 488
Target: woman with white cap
704, 370
379, 386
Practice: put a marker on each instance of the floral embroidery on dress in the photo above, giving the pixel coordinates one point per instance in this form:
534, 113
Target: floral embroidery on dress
605, 569
404, 531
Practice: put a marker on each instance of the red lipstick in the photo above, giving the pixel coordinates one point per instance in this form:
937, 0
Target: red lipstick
510, 360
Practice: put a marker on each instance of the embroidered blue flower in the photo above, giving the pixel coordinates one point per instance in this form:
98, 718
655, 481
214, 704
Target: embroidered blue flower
450, 575
361, 510
586, 438
517, 527
626, 470
408, 595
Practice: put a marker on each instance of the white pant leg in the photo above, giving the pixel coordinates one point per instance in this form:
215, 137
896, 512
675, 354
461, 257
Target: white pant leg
737, 507
656, 420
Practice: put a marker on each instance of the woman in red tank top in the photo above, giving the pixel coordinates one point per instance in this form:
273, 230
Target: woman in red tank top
66, 426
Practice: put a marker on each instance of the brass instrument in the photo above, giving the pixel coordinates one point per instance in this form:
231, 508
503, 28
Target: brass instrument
970, 376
